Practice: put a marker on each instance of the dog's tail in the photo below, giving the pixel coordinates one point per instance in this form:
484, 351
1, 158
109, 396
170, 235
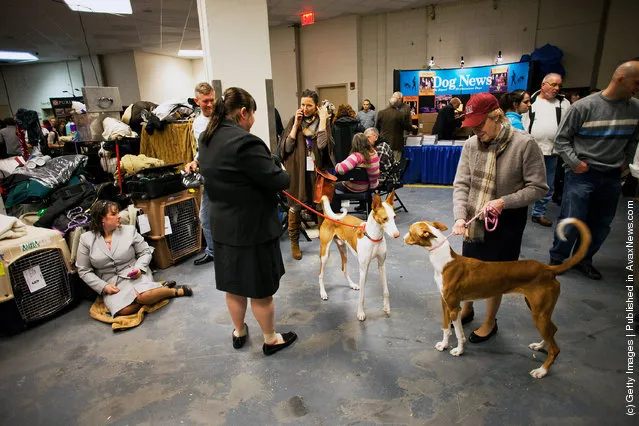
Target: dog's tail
584, 234
329, 212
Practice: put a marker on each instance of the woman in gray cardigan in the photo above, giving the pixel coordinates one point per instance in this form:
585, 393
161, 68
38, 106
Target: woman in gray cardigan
504, 168
114, 259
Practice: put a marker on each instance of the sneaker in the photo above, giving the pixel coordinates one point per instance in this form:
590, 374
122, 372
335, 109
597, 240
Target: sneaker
542, 220
589, 271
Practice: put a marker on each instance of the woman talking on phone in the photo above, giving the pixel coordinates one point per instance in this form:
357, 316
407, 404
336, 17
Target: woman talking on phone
308, 143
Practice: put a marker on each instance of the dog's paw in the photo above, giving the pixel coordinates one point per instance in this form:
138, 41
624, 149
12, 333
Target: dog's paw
354, 286
537, 346
457, 351
440, 346
323, 295
387, 310
539, 373
361, 316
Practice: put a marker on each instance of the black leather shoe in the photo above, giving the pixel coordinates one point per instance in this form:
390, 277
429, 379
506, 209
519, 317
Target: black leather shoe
238, 342
589, 271
473, 338
203, 260
289, 338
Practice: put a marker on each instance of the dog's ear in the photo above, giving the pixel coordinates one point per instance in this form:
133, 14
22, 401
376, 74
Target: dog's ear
390, 200
377, 201
440, 226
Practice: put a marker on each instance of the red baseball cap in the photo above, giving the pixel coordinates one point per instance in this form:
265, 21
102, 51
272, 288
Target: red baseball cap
478, 107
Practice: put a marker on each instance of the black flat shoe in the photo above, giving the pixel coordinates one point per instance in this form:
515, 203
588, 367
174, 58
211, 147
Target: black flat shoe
289, 338
238, 342
203, 260
169, 284
473, 338
188, 291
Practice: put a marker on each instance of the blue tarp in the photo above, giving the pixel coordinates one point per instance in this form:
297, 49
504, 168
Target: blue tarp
432, 164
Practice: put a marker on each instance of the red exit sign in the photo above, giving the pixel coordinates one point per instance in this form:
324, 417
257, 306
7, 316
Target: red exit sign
308, 18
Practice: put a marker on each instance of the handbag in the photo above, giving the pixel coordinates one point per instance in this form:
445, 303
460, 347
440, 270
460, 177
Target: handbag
324, 185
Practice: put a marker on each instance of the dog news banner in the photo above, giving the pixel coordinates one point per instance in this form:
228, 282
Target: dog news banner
630, 394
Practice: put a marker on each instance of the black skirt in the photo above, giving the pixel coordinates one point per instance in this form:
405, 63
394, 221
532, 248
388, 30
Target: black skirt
251, 271
504, 243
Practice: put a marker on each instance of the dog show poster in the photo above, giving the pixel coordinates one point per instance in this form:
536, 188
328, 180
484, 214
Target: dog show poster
464, 81
412, 102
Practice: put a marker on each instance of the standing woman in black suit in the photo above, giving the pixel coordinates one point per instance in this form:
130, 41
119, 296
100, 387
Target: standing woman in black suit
242, 181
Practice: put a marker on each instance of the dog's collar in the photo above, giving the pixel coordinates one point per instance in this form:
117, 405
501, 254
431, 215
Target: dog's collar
438, 245
375, 240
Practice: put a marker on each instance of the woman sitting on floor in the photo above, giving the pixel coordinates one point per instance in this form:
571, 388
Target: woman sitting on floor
362, 155
113, 260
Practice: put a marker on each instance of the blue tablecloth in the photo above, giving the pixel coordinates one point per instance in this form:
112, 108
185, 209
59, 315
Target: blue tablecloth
432, 164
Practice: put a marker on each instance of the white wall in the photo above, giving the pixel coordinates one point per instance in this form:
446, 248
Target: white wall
473, 28
30, 86
329, 54
198, 72
573, 26
120, 71
282, 42
621, 41
163, 78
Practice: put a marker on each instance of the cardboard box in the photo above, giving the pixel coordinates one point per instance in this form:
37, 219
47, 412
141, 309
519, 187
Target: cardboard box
426, 122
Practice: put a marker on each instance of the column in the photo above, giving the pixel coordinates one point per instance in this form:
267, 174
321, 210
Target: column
235, 41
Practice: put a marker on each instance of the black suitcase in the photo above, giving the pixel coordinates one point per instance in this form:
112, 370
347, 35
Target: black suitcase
154, 182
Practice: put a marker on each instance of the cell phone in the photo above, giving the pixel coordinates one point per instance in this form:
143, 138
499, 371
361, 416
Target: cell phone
132, 273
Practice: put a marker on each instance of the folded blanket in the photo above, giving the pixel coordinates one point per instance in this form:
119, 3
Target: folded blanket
100, 312
11, 227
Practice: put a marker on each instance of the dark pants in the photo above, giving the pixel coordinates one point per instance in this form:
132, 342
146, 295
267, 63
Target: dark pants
504, 243
591, 197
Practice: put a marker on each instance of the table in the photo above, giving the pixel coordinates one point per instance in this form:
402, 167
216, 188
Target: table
436, 164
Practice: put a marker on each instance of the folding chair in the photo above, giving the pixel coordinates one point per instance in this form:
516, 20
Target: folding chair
388, 185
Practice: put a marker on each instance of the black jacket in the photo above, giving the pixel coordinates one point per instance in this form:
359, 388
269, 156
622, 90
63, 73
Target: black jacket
241, 181
445, 124
344, 129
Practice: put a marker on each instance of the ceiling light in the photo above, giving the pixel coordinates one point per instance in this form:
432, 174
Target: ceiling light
6, 55
101, 6
191, 53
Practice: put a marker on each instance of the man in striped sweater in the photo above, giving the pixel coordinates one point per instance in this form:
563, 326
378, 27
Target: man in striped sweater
597, 139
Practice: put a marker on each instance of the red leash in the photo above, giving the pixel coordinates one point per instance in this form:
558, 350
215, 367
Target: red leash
362, 226
491, 218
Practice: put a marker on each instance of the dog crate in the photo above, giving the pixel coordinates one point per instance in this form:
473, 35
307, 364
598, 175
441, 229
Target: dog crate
175, 229
35, 278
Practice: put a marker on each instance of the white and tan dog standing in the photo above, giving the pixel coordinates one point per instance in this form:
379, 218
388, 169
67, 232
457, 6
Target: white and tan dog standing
367, 243
461, 278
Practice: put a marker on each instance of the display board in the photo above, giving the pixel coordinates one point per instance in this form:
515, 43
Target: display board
426, 91
62, 107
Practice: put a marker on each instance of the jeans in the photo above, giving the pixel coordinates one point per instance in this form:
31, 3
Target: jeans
592, 197
205, 220
539, 208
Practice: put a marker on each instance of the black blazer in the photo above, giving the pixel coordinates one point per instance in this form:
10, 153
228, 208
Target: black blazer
241, 181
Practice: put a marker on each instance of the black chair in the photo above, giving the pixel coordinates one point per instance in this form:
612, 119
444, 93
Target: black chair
363, 199
388, 185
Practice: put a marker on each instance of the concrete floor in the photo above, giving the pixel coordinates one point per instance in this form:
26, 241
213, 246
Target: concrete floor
179, 367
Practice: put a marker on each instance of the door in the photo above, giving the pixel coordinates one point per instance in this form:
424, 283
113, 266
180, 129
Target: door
337, 95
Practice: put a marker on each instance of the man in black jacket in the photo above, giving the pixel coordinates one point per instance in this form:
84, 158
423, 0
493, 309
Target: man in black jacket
446, 122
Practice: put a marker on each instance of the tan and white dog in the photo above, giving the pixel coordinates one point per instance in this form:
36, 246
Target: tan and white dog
461, 278
367, 243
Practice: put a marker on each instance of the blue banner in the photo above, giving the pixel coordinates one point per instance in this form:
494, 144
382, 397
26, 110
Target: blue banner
494, 79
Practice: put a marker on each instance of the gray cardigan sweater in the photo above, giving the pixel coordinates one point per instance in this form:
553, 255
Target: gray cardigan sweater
521, 174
